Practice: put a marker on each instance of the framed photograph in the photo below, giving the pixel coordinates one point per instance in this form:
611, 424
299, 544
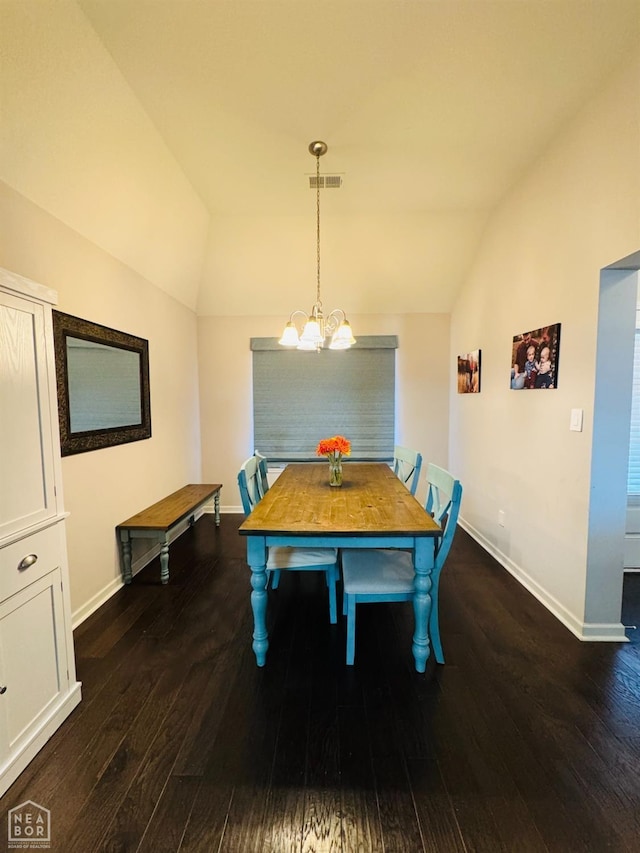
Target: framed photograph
469, 372
534, 359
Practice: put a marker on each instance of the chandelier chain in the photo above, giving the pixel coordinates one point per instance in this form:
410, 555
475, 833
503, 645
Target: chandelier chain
317, 327
318, 225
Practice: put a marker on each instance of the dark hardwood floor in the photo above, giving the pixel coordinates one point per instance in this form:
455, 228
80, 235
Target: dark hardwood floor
525, 740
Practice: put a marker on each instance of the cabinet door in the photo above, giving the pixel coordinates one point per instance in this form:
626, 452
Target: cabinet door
33, 658
27, 495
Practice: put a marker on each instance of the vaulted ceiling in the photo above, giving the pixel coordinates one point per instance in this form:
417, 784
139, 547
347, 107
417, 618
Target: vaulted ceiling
429, 107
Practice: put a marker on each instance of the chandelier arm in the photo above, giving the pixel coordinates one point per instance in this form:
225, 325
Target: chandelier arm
300, 313
333, 319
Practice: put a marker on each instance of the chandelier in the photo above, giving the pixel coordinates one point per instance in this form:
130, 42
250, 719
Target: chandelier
318, 327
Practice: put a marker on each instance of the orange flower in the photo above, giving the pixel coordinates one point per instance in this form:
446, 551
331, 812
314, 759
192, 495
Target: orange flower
335, 445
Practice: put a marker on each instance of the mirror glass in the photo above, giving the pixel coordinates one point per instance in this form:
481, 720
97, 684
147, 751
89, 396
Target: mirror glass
103, 385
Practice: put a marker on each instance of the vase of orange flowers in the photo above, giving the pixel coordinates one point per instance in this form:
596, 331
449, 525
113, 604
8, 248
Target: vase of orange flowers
334, 449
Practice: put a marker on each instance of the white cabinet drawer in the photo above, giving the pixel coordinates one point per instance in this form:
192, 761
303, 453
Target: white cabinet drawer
17, 566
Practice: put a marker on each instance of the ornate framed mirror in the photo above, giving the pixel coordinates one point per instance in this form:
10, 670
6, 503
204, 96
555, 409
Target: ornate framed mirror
103, 385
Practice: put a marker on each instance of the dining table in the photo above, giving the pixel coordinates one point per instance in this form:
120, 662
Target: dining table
371, 509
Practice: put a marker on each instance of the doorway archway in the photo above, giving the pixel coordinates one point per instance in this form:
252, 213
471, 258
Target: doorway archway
610, 449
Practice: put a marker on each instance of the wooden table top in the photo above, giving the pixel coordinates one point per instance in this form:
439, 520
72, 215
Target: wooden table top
371, 501
167, 512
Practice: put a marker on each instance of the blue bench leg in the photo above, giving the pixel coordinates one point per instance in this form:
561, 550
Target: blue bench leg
126, 555
164, 561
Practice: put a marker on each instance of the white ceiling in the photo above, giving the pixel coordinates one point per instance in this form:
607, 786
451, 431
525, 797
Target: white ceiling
432, 107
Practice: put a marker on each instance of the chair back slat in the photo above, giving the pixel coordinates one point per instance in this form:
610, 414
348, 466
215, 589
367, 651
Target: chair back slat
444, 495
263, 467
406, 466
249, 483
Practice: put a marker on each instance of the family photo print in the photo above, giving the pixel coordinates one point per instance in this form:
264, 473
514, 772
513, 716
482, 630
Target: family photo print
534, 359
469, 372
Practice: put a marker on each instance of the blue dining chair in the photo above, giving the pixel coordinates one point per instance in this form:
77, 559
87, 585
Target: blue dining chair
406, 466
378, 575
263, 466
262, 486
287, 558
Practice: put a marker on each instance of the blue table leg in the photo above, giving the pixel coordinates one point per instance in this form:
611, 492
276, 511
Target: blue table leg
423, 560
257, 559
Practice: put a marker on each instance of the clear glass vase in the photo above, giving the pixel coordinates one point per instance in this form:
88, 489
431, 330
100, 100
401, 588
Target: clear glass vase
335, 471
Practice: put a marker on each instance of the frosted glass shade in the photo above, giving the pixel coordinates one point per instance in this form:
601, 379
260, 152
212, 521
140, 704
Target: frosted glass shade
342, 337
289, 336
312, 333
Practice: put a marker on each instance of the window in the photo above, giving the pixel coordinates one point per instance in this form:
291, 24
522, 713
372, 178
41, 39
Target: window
301, 397
633, 475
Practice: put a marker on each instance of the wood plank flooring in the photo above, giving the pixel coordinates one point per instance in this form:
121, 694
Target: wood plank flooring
525, 741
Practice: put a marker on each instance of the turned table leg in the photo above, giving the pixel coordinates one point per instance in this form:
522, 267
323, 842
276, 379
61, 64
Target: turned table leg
424, 557
257, 558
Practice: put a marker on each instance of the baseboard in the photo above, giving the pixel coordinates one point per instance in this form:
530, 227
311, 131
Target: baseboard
586, 631
78, 616
603, 632
82, 613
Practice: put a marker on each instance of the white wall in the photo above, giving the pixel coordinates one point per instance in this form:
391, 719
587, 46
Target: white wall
75, 141
225, 362
577, 211
257, 265
104, 487
94, 206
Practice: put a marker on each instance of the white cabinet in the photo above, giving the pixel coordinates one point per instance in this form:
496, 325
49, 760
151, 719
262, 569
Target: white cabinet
38, 687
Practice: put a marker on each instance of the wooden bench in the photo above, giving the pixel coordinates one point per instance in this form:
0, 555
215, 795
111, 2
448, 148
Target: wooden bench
157, 522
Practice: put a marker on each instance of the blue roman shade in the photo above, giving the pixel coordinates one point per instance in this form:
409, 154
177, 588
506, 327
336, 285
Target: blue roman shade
301, 397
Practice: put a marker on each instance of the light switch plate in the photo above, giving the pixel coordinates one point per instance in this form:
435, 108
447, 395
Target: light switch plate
575, 423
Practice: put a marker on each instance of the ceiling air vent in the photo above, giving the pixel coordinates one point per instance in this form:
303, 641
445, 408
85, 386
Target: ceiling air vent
327, 182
